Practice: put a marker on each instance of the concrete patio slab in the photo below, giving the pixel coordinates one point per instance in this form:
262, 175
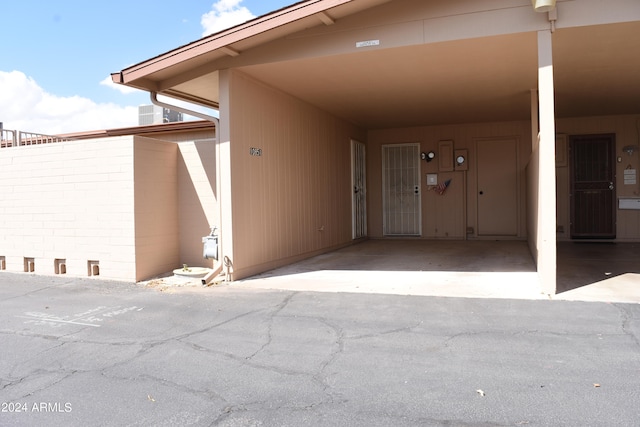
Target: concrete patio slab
467, 269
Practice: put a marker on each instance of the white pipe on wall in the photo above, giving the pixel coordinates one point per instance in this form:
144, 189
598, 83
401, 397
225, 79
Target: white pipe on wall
156, 101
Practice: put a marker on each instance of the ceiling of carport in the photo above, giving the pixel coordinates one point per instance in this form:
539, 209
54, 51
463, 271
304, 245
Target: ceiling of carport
596, 69
451, 82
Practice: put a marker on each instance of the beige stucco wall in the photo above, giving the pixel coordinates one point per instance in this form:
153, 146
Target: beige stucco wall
197, 199
175, 200
294, 200
448, 216
71, 201
175, 203
157, 246
626, 130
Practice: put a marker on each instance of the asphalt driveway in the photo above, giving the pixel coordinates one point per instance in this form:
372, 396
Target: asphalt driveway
77, 352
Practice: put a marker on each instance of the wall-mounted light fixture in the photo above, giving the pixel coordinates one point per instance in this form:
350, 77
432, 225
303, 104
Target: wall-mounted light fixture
630, 149
543, 5
428, 156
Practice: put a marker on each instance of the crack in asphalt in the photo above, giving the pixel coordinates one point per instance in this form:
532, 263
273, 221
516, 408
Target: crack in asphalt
145, 347
12, 382
227, 412
626, 318
210, 327
271, 316
316, 377
207, 393
68, 374
30, 334
409, 328
338, 344
320, 377
34, 291
17, 380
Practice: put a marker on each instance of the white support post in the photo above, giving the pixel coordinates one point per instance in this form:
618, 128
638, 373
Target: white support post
535, 121
223, 167
547, 262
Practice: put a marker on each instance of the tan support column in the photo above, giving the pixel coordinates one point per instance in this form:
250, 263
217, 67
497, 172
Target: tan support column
224, 175
547, 263
534, 118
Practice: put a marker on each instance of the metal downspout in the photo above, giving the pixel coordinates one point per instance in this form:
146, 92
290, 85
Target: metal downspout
154, 100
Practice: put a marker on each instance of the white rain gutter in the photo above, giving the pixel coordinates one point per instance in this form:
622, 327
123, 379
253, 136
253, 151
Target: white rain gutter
156, 101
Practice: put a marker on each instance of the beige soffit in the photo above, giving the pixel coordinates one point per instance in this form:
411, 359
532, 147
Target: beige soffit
179, 72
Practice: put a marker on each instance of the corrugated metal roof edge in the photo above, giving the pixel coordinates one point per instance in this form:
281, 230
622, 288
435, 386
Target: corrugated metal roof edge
139, 130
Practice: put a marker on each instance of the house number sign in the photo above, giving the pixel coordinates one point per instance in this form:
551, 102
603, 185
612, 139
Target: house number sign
368, 43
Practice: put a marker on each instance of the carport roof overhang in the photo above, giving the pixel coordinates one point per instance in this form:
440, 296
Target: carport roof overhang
190, 72
459, 81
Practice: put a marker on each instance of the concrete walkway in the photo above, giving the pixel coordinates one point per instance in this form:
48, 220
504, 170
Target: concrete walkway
605, 272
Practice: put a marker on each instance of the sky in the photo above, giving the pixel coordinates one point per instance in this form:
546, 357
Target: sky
56, 56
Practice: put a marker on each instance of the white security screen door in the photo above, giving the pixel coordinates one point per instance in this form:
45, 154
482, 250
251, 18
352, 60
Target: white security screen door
401, 190
359, 186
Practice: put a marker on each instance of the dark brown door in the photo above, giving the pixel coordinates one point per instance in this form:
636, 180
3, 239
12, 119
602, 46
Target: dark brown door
593, 191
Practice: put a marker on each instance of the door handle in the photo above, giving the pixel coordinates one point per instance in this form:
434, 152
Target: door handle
416, 190
611, 186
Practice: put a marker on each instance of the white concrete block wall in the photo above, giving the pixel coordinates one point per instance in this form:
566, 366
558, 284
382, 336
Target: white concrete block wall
71, 201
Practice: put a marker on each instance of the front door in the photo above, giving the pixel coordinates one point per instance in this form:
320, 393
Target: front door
359, 185
593, 191
497, 187
401, 190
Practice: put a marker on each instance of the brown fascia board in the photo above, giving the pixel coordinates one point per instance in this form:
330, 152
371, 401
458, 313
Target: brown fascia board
142, 130
142, 84
131, 76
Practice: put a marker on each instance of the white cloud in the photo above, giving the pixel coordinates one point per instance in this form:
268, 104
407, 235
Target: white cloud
224, 14
108, 82
25, 106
